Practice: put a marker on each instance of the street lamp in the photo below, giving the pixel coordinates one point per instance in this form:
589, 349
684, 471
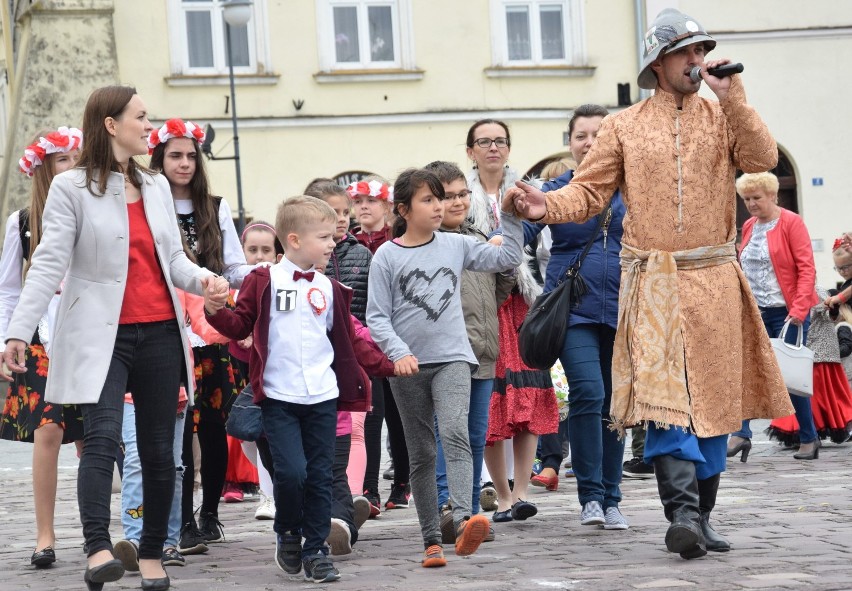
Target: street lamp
237, 14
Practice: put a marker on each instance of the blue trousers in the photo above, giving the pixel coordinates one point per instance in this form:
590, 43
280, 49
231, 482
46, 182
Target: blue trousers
596, 451
773, 320
708, 453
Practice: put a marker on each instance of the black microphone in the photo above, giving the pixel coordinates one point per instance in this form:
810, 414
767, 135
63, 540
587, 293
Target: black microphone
719, 72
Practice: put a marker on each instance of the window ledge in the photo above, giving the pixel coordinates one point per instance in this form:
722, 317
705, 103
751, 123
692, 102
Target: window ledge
540, 71
222, 80
388, 75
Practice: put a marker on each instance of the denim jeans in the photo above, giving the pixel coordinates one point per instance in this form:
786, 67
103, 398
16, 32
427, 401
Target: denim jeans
131, 481
773, 320
477, 428
148, 360
302, 438
596, 451
550, 447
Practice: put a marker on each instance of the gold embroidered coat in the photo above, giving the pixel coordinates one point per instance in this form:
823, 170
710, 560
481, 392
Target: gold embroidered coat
676, 170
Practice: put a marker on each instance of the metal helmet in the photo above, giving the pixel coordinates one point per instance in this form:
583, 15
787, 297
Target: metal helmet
670, 30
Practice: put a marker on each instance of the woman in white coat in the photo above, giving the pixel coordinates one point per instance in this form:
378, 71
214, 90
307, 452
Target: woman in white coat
109, 224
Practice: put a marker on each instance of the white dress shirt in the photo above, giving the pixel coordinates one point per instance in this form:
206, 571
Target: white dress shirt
298, 369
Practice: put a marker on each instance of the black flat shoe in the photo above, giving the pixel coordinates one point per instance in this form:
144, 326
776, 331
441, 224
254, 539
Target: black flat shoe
160, 584
44, 557
502, 516
523, 510
109, 571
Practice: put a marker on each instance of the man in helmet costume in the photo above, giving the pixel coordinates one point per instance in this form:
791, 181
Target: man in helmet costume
691, 356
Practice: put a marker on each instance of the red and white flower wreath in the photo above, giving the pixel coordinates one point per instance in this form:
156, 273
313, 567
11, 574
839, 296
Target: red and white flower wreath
175, 128
372, 188
63, 140
316, 298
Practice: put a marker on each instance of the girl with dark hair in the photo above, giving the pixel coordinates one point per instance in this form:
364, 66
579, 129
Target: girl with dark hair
120, 299
210, 236
26, 415
415, 315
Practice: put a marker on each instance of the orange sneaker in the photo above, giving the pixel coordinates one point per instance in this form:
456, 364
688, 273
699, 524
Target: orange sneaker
433, 556
471, 534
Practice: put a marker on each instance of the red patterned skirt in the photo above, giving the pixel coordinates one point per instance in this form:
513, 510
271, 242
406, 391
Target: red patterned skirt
523, 399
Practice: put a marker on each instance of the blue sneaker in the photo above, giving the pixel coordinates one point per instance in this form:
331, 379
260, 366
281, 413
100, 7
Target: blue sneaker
319, 569
537, 467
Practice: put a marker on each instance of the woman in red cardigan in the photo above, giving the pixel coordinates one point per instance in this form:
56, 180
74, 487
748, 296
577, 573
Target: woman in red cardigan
778, 261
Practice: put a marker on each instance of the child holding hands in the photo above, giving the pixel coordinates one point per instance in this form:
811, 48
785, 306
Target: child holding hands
303, 368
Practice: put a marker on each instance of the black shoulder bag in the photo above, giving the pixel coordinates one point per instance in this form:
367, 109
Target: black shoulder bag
542, 334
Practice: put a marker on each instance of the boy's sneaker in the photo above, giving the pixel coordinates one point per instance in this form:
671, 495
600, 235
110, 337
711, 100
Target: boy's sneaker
448, 528
128, 553
398, 498
288, 553
488, 497
319, 568
433, 556
592, 514
191, 540
265, 508
637, 468
375, 503
614, 519
363, 509
211, 528
537, 467
470, 534
232, 493
171, 557
339, 537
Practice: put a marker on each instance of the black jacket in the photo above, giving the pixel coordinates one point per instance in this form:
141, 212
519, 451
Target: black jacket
350, 265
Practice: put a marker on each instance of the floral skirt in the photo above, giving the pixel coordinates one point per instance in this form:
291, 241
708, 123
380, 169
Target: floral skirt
26, 410
217, 382
523, 399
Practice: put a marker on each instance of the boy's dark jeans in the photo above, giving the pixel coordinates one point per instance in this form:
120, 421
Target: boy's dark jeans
301, 438
148, 361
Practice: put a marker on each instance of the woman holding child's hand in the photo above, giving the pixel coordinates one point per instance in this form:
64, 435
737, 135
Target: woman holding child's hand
109, 229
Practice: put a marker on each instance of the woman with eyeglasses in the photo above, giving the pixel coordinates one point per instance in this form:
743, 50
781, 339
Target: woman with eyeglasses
523, 405
778, 262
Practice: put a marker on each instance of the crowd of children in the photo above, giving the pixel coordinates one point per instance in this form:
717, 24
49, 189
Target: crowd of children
408, 317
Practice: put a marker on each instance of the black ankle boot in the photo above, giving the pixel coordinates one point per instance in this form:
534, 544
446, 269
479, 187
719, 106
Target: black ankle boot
707, 489
679, 494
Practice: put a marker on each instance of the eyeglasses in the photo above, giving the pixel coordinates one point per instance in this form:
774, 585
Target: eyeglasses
843, 268
485, 142
461, 196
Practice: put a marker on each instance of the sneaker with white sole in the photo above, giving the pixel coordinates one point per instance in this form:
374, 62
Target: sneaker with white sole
127, 551
592, 514
319, 569
339, 537
488, 497
171, 557
613, 519
361, 506
265, 508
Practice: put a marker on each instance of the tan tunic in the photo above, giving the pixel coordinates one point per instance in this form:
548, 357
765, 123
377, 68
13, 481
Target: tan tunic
676, 171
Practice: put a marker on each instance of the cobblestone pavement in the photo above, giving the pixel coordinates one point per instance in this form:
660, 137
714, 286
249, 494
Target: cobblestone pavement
790, 523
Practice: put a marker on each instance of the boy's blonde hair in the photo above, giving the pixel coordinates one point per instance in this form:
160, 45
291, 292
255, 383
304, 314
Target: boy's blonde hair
297, 213
758, 181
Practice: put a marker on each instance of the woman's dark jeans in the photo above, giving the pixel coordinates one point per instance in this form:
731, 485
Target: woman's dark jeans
147, 361
773, 320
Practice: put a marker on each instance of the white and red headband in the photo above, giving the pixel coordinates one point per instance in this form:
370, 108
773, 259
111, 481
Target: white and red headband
175, 128
63, 140
372, 188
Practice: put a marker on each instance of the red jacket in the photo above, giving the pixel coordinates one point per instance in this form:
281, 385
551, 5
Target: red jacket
792, 259
373, 240
251, 316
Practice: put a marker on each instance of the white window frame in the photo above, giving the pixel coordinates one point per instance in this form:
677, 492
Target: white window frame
403, 35
573, 30
258, 35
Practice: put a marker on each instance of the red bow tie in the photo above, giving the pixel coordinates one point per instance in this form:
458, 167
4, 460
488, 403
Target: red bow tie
309, 275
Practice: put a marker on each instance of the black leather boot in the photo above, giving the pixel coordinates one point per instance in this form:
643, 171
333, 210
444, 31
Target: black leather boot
707, 489
679, 494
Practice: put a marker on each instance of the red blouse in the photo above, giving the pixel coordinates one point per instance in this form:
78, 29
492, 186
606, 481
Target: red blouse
146, 295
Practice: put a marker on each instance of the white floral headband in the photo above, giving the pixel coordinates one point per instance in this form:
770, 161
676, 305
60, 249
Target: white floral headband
63, 140
175, 128
372, 188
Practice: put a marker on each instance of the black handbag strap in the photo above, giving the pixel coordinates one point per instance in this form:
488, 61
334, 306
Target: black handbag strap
604, 218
